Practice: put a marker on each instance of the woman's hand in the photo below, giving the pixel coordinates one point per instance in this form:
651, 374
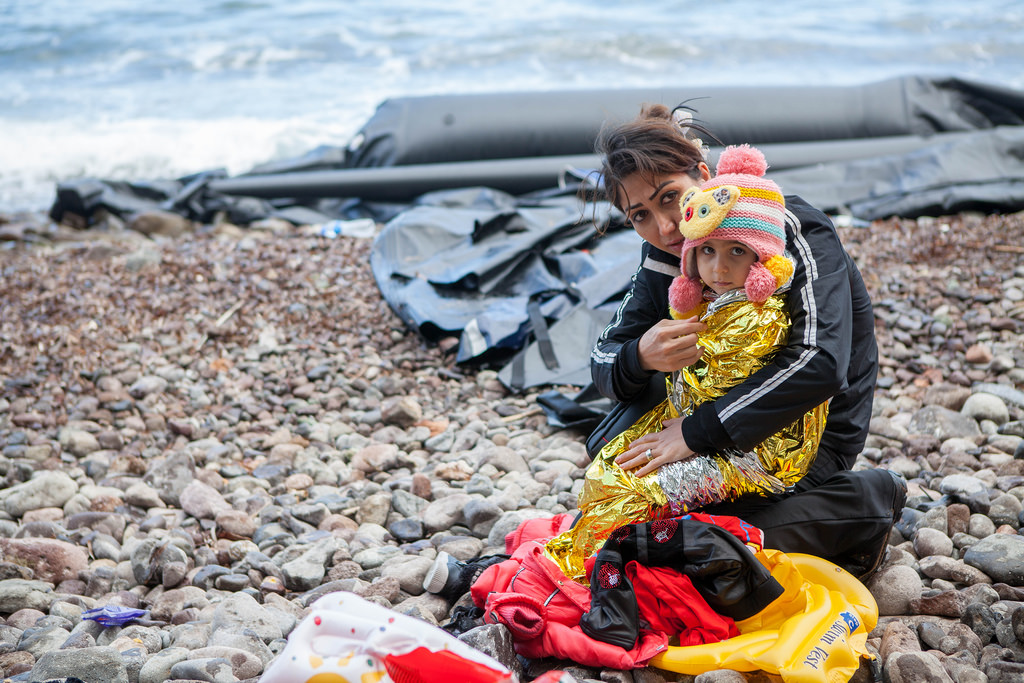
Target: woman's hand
665, 447
670, 345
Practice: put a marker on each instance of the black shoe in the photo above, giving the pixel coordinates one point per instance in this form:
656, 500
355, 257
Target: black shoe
901, 495
899, 499
451, 578
464, 618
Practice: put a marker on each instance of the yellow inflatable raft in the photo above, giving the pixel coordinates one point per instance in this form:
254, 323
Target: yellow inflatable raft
815, 632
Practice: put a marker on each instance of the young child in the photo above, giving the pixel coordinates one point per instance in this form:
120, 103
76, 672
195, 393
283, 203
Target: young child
733, 274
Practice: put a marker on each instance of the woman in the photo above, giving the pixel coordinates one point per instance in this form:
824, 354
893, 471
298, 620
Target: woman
832, 512
736, 280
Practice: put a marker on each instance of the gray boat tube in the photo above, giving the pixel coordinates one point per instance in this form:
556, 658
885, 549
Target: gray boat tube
468, 127
525, 142
405, 183
521, 176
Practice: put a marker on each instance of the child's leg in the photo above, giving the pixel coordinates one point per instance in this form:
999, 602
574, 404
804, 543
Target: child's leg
708, 480
611, 497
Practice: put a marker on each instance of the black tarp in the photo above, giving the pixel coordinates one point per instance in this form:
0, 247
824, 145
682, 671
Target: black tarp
477, 264
949, 173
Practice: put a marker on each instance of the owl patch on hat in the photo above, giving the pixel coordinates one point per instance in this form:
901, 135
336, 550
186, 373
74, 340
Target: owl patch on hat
704, 210
741, 205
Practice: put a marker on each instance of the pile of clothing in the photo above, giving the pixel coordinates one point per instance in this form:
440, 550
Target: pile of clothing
687, 594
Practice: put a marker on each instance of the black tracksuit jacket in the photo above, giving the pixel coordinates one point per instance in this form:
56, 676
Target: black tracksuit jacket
831, 352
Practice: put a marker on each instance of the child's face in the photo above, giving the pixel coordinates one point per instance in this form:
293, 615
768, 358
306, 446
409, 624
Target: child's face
723, 265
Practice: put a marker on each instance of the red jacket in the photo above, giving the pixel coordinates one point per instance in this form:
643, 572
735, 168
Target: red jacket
542, 608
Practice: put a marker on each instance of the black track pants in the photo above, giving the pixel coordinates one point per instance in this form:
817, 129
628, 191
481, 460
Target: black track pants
846, 519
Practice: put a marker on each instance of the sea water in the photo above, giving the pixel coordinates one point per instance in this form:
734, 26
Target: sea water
121, 89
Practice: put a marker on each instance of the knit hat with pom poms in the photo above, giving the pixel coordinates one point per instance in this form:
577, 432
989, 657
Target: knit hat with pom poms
737, 204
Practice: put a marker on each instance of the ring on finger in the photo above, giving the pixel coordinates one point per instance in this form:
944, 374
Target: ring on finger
647, 454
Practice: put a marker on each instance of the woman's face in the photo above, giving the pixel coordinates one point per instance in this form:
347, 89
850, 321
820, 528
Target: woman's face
652, 208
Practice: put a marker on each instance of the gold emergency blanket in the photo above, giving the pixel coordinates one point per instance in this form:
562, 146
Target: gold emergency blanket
740, 338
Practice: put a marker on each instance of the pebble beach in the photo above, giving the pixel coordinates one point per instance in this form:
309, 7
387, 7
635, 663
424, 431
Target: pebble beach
218, 425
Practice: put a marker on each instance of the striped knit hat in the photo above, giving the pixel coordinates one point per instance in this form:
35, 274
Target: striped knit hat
737, 204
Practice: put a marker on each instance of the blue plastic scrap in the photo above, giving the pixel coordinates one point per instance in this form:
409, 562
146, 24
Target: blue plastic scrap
113, 615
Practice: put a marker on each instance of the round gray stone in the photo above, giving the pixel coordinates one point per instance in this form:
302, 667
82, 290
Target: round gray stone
211, 670
1001, 556
894, 587
91, 665
49, 488
984, 406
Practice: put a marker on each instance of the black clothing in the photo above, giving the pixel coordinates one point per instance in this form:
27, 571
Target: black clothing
831, 351
832, 512
722, 569
846, 519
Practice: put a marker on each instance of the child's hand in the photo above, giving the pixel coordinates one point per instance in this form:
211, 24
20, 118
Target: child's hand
671, 345
654, 450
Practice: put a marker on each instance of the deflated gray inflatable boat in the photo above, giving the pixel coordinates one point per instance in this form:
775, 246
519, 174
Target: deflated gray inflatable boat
484, 236
862, 143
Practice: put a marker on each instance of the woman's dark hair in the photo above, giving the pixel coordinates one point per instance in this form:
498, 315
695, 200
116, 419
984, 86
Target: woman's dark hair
652, 144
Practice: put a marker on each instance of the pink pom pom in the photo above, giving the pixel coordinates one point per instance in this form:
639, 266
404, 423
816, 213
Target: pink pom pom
760, 284
684, 294
742, 159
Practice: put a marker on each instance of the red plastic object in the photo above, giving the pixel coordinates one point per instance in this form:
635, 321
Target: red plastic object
426, 666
